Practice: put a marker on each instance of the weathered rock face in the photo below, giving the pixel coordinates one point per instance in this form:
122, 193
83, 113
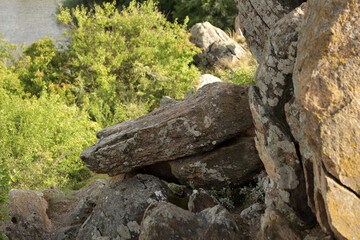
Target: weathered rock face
327, 86
231, 164
257, 17
218, 49
28, 218
162, 221
274, 141
217, 112
89, 197
307, 113
200, 200
119, 211
274, 225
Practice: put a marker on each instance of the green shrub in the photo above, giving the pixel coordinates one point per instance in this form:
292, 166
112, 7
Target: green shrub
241, 76
42, 67
124, 62
220, 13
41, 139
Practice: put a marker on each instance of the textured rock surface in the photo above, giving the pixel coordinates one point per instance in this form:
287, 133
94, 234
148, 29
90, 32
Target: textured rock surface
200, 200
279, 155
326, 87
28, 218
119, 211
167, 221
206, 79
274, 225
218, 49
217, 112
257, 17
232, 164
89, 197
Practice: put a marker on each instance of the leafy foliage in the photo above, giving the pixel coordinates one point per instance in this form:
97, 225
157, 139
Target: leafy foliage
220, 13
120, 60
42, 139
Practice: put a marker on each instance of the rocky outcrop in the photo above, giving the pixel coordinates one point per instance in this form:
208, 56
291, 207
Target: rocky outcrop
89, 197
162, 221
217, 112
326, 86
231, 164
28, 218
119, 211
218, 49
274, 141
257, 17
306, 108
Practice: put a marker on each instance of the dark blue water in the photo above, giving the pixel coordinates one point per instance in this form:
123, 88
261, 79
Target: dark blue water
26, 21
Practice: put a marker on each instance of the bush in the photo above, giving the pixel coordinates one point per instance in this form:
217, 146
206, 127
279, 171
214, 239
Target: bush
41, 139
126, 61
220, 13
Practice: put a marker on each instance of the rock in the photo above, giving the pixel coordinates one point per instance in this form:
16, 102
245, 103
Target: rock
274, 225
166, 100
238, 27
206, 79
274, 74
231, 164
326, 94
279, 155
120, 209
200, 200
217, 112
257, 17
68, 232
254, 211
166, 221
218, 49
28, 218
89, 198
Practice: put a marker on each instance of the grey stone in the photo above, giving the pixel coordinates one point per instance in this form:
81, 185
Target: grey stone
217, 112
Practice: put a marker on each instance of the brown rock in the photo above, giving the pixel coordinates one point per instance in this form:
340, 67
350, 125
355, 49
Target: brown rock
120, 209
232, 164
218, 49
257, 17
200, 200
166, 221
28, 218
217, 112
274, 225
326, 87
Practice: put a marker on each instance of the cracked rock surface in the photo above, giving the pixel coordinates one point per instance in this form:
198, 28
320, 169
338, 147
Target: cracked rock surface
119, 212
217, 112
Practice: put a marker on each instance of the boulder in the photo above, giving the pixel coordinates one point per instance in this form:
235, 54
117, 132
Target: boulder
327, 102
28, 218
166, 221
218, 49
231, 164
274, 225
121, 207
89, 197
257, 17
279, 154
206, 79
200, 200
217, 112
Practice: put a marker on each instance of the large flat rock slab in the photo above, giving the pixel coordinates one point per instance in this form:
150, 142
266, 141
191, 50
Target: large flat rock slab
217, 112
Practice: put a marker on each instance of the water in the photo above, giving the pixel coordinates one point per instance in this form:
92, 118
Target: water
26, 21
